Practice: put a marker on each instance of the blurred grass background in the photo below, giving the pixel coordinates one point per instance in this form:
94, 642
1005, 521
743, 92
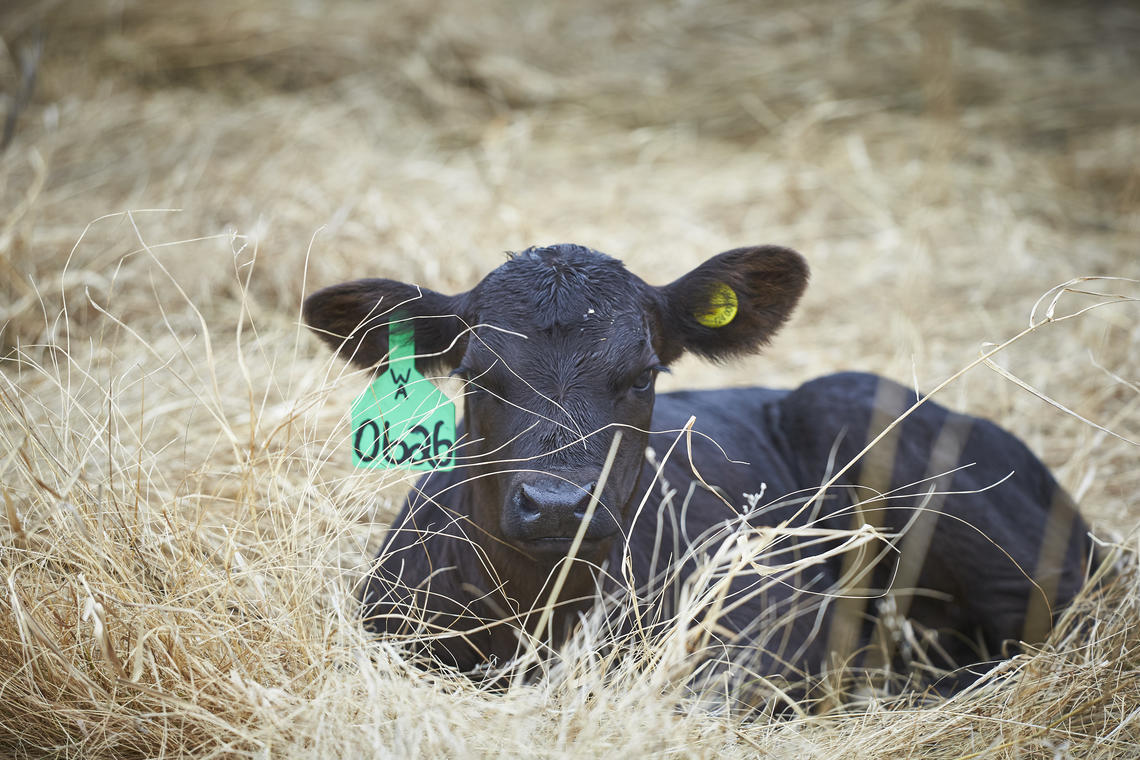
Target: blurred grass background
940, 164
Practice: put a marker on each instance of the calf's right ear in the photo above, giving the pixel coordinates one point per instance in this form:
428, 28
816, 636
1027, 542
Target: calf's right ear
354, 318
731, 304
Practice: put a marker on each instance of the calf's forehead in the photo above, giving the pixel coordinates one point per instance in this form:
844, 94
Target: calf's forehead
565, 295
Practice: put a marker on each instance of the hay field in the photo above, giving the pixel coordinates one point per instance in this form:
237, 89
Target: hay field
182, 527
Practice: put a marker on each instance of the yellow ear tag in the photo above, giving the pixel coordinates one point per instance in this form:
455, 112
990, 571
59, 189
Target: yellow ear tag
722, 305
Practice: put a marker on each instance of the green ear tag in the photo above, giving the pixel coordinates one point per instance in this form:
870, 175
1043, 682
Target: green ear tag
402, 420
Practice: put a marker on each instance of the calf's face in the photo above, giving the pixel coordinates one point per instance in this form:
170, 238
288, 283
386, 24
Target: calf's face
559, 348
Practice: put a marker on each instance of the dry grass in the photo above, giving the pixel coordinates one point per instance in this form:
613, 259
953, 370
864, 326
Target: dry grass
182, 527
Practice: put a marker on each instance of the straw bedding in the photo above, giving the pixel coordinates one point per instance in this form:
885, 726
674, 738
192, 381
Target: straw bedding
182, 528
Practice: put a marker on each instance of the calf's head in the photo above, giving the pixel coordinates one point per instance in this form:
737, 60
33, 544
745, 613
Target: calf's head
560, 347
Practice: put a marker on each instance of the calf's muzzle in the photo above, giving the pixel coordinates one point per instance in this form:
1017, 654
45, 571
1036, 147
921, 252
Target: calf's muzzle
543, 513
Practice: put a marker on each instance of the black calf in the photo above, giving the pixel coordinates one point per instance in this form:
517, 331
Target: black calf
560, 347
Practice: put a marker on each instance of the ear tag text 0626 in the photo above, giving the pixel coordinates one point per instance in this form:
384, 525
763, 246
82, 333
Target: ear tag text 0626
402, 420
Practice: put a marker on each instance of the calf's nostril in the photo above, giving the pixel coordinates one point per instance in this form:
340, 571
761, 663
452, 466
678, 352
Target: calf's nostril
584, 500
528, 502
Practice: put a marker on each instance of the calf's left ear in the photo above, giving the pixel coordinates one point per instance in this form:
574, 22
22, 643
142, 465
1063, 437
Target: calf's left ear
731, 304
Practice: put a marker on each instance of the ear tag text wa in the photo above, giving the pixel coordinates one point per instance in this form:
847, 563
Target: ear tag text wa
721, 307
402, 420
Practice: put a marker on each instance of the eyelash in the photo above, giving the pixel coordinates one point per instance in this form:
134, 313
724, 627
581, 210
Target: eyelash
652, 373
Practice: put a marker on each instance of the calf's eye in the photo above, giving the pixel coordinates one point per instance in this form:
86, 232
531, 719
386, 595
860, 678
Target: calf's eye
644, 380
